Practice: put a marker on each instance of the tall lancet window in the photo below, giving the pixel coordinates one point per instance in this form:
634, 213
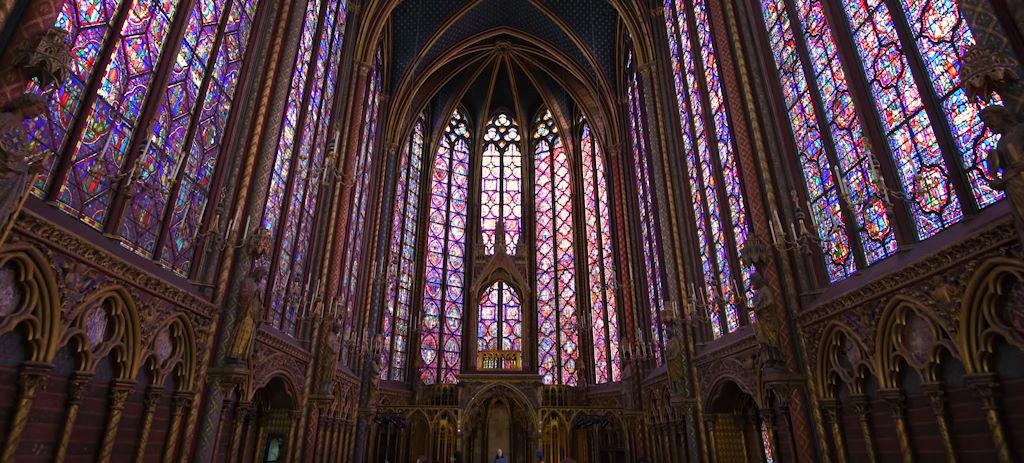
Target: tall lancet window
501, 184
557, 322
600, 264
402, 250
135, 153
500, 326
441, 327
298, 165
909, 60
713, 176
647, 208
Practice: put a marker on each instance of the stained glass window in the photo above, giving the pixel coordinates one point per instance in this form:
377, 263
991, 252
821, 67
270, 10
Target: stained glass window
98, 155
828, 182
402, 249
600, 264
361, 191
942, 38
500, 326
501, 184
178, 136
647, 210
712, 170
558, 350
299, 168
896, 51
908, 127
441, 326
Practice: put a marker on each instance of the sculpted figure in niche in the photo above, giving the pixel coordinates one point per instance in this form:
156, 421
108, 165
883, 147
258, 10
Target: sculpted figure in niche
1005, 163
250, 313
675, 356
18, 161
328, 362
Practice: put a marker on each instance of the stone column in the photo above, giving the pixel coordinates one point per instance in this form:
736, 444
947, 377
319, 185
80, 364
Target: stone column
985, 387
30, 381
243, 412
937, 398
897, 405
180, 403
118, 394
150, 402
830, 409
79, 384
863, 409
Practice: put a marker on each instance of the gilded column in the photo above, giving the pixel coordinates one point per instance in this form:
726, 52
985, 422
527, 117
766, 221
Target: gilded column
897, 405
710, 448
937, 398
32, 378
242, 413
830, 408
78, 385
180, 403
118, 394
149, 407
984, 386
863, 410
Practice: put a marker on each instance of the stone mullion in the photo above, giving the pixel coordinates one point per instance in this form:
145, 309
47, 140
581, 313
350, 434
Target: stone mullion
31, 379
863, 410
985, 386
938, 400
79, 384
118, 394
150, 402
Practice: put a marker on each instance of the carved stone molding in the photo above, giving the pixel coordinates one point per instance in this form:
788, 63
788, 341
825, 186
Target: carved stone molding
33, 228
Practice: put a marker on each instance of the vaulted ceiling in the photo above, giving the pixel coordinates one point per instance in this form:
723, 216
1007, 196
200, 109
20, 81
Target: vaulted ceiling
445, 52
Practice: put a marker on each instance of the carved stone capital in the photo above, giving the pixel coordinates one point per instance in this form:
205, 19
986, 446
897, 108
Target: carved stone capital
986, 389
896, 401
984, 71
46, 57
31, 381
77, 387
152, 398
181, 402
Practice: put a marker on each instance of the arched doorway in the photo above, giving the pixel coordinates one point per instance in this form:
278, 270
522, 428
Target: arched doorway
499, 419
734, 426
274, 405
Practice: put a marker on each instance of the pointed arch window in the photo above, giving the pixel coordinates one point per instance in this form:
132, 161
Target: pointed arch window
398, 295
444, 279
298, 166
136, 152
713, 178
600, 264
557, 330
501, 201
500, 324
908, 59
